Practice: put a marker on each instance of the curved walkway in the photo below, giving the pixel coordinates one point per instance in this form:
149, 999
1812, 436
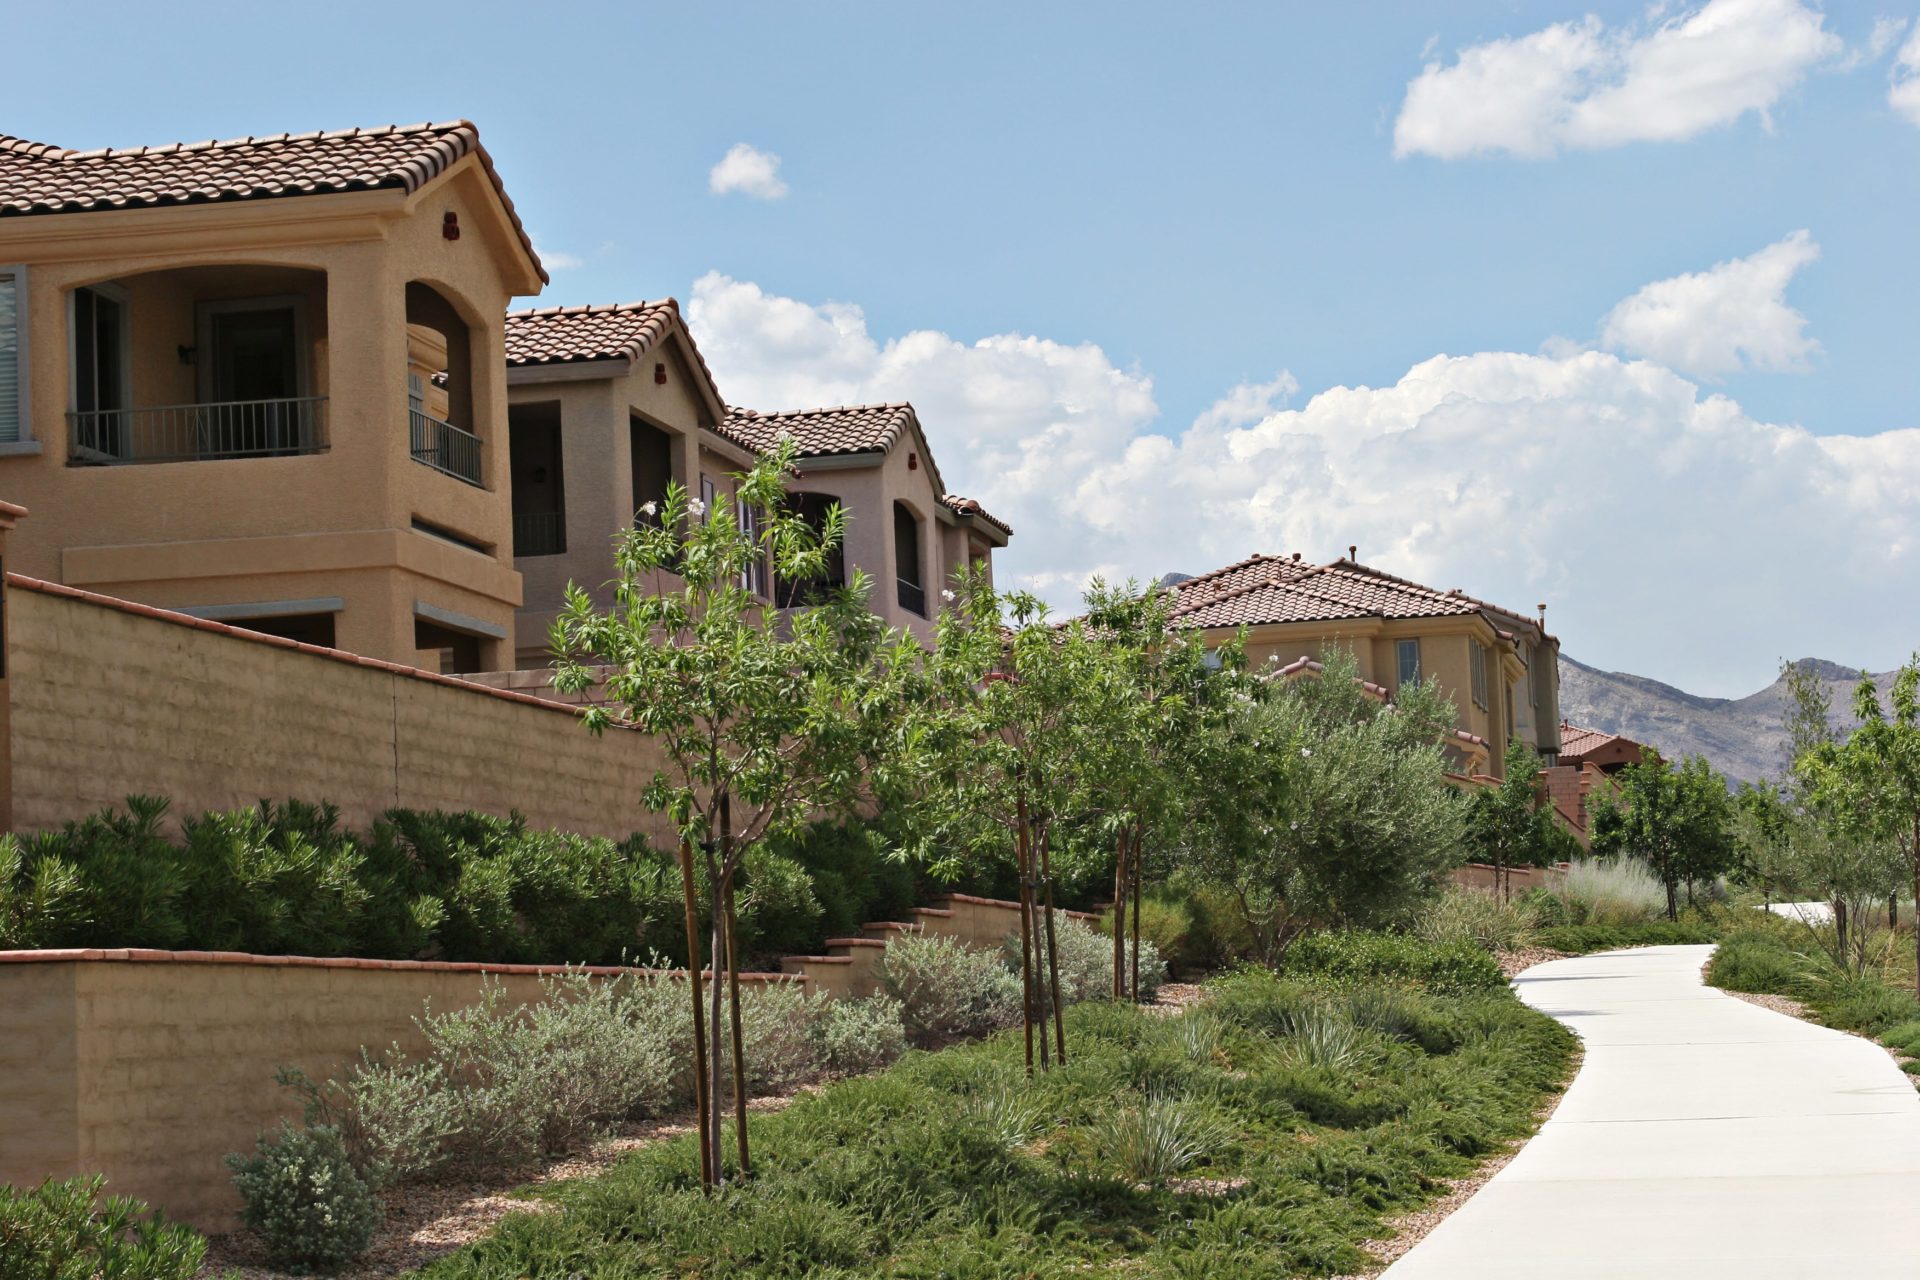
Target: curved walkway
1704, 1137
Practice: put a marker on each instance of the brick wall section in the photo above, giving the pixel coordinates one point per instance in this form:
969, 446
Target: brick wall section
111, 699
151, 1066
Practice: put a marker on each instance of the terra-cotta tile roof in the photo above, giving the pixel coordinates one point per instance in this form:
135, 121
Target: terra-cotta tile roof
1578, 742
38, 178
1263, 590
857, 428
968, 507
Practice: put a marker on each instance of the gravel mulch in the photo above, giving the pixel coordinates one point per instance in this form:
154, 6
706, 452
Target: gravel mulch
1514, 963
427, 1221
1779, 1004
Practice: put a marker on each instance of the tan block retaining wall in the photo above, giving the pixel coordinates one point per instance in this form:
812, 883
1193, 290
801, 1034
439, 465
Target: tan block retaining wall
213, 717
151, 1066
1481, 875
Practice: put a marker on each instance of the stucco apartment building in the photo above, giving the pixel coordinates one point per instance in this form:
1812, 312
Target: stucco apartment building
1500, 668
260, 381
611, 404
272, 382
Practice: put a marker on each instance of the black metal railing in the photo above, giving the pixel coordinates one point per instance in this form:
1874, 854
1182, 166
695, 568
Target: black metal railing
538, 533
199, 432
445, 447
913, 597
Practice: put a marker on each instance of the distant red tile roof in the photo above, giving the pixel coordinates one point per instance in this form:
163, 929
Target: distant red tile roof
858, 428
1577, 742
1263, 590
38, 178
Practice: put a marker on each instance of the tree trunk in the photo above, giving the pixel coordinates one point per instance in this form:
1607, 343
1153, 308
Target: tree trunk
1053, 947
1026, 929
702, 1100
1120, 884
717, 948
1840, 929
733, 992
1913, 865
1138, 869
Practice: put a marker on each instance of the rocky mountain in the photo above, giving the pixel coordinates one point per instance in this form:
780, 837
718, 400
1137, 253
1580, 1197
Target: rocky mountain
1743, 737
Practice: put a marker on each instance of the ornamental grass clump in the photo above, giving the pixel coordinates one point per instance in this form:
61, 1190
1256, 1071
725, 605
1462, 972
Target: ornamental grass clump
1610, 891
1461, 914
1158, 1138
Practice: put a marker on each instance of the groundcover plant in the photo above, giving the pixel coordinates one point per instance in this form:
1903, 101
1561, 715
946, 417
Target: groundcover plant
1218, 1142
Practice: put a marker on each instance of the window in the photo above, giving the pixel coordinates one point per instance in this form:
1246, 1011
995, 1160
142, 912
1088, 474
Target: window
911, 591
14, 423
709, 496
1407, 652
1478, 663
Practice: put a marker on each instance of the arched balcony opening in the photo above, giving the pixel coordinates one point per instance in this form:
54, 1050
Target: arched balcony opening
440, 389
197, 364
792, 593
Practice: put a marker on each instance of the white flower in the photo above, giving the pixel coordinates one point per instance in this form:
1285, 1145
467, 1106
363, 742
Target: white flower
695, 507
1305, 754
948, 596
649, 508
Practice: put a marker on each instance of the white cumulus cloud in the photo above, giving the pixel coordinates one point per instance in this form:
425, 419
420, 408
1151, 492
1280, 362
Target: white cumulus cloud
749, 171
1904, 96
1584, 85
1734, 316
1670, 532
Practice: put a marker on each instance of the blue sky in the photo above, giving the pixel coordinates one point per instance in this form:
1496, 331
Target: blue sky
1152, 206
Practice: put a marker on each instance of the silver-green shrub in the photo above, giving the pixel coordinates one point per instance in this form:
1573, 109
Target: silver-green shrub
853, 1037
1086, 961
946, 990
1461, 914
302, 1196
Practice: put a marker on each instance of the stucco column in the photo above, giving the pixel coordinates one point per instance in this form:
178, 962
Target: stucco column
9, 513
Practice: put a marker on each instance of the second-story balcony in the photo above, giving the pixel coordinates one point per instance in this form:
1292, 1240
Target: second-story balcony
281, 427
539, 533
444, 447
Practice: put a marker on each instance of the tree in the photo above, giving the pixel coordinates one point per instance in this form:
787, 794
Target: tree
1510, 825
1871, 782
764, 719
1808, 717
1806, 854
1322, 806
1142, 782
1000, 742
1676, 818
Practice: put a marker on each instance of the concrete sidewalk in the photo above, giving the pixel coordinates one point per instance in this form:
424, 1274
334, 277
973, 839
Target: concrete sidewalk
1704, 1137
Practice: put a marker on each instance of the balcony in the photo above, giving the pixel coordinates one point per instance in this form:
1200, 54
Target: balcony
276, 428
912, 597
445, 447
539, 533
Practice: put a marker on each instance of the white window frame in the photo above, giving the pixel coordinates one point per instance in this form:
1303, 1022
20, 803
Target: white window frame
27, 442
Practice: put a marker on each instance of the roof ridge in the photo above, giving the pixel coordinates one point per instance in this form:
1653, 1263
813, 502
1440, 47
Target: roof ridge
251, 140
895, 405
28, 147
595, 308
1454, 593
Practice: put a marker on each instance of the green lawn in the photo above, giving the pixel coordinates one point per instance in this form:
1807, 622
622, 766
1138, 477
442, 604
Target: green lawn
1318, 1110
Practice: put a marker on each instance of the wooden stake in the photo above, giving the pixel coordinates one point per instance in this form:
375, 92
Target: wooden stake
702, 1103
1053, 944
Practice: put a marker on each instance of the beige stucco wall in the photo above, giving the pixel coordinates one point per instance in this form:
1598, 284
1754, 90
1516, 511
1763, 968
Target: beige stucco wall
151, 1070
172, 532
212, 720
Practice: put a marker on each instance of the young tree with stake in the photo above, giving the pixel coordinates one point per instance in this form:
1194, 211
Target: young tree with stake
764, 719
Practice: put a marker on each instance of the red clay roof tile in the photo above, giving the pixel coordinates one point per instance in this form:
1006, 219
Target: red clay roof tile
37, 178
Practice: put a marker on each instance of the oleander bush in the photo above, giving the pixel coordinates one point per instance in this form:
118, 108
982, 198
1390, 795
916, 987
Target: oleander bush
288, 879
1359, 956
1140, 1156
301, 1195
63, 1230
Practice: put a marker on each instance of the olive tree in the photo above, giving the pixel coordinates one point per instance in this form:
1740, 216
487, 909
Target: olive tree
763, 718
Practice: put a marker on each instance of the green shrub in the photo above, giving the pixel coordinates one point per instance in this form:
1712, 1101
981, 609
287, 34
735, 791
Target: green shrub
1354, 955
1460, 914
1857, 1001
1903, 1037
61, 1230
947, 991
853, 1037
1756, 962
1580, 939
302, 1196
